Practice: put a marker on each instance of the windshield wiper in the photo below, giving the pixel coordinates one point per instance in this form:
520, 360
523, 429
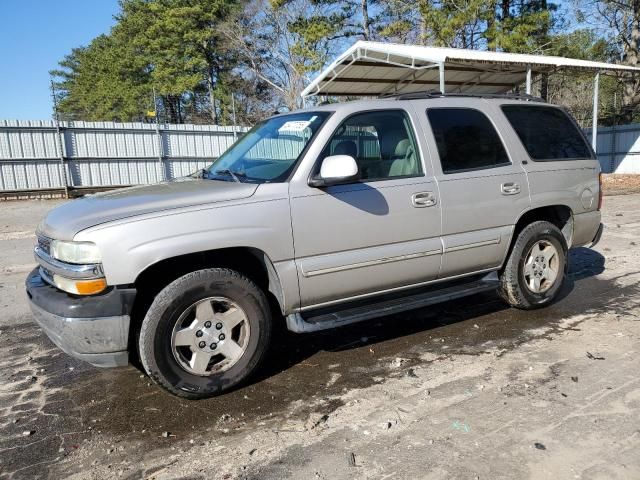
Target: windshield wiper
202, 173
235, 175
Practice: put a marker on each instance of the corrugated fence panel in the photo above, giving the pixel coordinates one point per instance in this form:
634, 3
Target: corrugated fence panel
105, 153
26, 139
618, 148
108, 153
27, 175
106, 172
180, 167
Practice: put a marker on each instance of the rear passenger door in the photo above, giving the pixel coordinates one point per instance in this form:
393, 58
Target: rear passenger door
483, 189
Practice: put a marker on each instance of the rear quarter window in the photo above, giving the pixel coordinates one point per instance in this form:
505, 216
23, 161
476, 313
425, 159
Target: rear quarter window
547, 133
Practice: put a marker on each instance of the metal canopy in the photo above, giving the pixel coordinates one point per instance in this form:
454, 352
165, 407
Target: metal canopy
374, 69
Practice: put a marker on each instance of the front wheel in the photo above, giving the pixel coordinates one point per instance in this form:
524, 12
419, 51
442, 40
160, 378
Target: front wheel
205, 333
536, 267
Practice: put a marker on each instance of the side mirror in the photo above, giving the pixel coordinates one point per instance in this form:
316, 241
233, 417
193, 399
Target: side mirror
335, 170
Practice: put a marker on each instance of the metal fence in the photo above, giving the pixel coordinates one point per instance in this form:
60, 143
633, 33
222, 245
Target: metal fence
618, 148
41, 155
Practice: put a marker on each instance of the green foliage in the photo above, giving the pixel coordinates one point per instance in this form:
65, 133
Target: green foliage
453, 23
525, 33
196, 54
103, 81
170, 46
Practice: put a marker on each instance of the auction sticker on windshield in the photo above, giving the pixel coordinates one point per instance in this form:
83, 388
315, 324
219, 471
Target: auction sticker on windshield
295, 126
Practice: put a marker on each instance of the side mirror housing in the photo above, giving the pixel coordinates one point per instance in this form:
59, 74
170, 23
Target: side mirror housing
336, 170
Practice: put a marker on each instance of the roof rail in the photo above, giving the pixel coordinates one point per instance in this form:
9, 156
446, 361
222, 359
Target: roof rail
439, 94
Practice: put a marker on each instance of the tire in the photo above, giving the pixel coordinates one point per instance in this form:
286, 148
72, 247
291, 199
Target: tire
519, 287
218, 308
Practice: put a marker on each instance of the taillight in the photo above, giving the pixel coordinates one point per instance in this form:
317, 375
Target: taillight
600, 191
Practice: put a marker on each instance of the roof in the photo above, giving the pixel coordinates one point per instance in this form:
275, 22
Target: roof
374, 68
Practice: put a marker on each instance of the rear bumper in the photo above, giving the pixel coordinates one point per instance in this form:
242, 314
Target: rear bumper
598, 236
585, 228
93, 328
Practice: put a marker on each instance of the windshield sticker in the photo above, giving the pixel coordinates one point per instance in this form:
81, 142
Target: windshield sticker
294, 126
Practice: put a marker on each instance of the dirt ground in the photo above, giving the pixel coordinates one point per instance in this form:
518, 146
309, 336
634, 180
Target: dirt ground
468, 389
617, 184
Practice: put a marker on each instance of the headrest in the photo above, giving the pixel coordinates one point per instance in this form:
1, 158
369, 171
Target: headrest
346, 147
402, 147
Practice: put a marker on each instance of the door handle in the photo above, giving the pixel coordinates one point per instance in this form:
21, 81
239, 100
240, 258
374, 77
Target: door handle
510, 188
423, 199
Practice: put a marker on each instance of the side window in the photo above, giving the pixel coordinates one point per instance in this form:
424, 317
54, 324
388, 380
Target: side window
547, 133
381, 142
466, 140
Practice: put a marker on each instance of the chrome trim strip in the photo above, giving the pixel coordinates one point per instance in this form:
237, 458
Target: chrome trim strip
488, 271
369, 263
67, 270
494, 241
46, 277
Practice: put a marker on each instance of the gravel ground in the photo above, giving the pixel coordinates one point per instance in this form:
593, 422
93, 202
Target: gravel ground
468, 389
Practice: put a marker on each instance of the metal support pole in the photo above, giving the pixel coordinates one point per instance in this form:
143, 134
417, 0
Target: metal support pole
60, 141
233, 109
528, 79
163, 174
594, 128
442, 86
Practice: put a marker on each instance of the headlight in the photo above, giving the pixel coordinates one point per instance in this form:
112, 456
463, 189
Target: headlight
75, 252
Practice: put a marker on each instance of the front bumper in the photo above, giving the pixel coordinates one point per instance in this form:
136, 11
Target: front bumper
93, 328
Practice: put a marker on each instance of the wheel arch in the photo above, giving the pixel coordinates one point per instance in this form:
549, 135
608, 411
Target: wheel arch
559, 215
250, 261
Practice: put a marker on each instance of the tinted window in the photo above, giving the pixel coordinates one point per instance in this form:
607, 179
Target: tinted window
466, 140
381, 142
547, 133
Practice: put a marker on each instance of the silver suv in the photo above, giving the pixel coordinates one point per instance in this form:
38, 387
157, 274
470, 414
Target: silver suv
324, 217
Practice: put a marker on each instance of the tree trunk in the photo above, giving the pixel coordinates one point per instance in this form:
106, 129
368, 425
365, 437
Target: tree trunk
631, 93
491, 26
171, 108
544, 86
366, 26
423, 25
505, 6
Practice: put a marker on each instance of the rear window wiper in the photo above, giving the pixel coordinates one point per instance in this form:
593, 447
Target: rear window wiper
235, 175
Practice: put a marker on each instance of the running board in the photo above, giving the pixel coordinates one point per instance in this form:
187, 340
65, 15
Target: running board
311, 322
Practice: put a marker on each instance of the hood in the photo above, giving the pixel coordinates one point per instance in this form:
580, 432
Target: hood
65, 221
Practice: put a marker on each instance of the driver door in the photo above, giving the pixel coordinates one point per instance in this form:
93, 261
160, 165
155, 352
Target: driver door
379, 233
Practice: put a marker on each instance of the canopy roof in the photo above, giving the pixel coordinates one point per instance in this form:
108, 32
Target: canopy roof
373, 68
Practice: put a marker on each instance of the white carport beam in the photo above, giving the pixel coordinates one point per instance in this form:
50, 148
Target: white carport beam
594, 128
441, 68
528, 79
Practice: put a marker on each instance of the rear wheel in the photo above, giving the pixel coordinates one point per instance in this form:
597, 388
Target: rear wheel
205, 333
536, 267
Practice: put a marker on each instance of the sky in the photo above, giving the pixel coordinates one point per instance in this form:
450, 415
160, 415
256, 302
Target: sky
34, 36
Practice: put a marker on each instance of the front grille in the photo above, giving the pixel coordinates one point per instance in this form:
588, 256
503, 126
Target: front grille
45, 244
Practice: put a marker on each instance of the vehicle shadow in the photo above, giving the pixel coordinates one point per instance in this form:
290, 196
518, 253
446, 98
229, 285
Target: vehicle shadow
290, 349
56, 395
361, 196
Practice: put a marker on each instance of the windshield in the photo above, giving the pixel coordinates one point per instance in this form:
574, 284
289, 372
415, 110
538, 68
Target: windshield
269, 151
